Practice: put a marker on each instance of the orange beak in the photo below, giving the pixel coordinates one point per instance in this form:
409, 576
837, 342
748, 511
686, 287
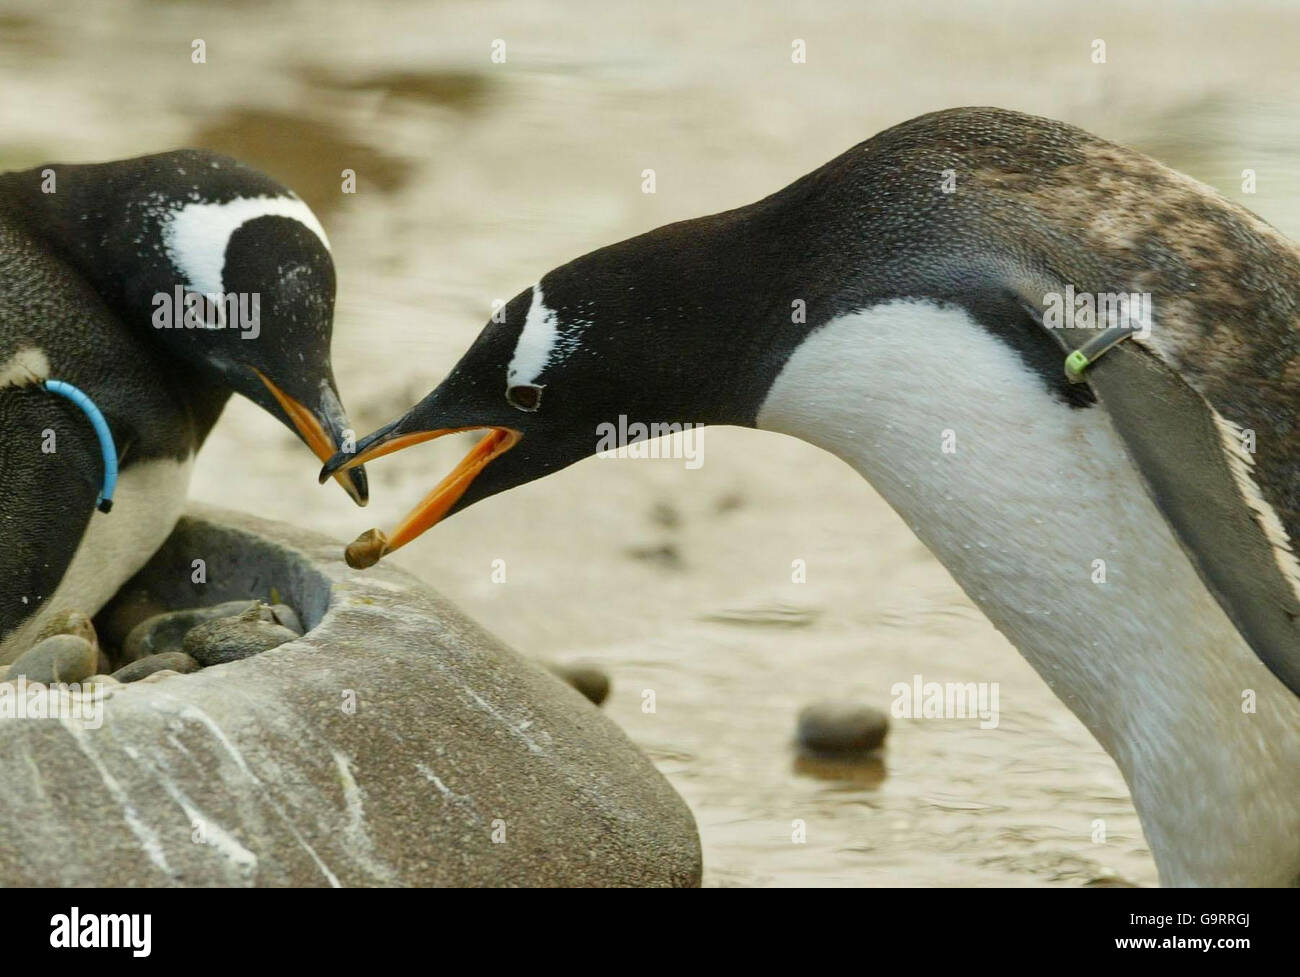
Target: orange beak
314, 433
370, 547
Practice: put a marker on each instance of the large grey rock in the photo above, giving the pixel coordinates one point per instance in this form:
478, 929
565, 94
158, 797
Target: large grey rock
396, 743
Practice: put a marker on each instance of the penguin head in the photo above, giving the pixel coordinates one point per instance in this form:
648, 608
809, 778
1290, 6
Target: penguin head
221, 266
568, 368
258, 276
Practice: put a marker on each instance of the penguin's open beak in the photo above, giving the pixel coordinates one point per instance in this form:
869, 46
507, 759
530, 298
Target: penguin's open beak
370, 547
323, 430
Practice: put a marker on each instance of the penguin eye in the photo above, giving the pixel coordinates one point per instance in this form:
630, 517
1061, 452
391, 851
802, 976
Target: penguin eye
525, 396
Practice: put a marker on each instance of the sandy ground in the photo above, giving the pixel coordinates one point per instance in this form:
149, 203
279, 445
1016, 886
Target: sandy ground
475, 178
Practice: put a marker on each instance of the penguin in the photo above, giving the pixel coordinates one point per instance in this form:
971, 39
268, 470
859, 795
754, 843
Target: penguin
157, 287
907, 297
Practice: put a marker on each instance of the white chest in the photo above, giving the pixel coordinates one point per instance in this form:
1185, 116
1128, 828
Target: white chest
1039, 515
149, 499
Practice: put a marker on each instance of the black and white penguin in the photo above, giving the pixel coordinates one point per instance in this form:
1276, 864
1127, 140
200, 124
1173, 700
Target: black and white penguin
930, 264
99, 265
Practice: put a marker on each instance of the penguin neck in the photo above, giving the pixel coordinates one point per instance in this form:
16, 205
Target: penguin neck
1020, 495
205, 398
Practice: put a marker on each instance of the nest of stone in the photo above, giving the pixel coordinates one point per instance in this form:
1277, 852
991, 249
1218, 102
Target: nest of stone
135, 643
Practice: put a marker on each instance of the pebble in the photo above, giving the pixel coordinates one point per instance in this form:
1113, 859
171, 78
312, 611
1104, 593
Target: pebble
59, 658
841, 727
232, 639
156, 677
284, 615
74, 622
366, 549
69, 622
175, 661
587, 679
166, 632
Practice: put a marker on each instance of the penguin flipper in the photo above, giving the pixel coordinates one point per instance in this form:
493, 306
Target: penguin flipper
49, 481
1201, 483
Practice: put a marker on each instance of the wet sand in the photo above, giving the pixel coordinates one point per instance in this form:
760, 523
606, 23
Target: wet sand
475, 178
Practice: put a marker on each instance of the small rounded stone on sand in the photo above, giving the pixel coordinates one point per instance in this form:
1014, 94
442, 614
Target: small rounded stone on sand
592, 682
366, 550
58, 659
232, 639
841, 727
176, 661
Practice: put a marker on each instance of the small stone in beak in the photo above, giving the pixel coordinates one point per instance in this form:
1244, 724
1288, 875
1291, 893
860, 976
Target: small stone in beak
367, 549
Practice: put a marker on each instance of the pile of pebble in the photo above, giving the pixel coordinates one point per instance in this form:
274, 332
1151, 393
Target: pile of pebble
69, 650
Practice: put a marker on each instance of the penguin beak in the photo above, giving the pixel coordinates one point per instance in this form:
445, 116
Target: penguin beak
372, 546
324, 431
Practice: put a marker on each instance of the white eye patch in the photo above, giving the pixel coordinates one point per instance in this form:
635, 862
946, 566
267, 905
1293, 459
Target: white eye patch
543, 342
537, 343
196, 235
